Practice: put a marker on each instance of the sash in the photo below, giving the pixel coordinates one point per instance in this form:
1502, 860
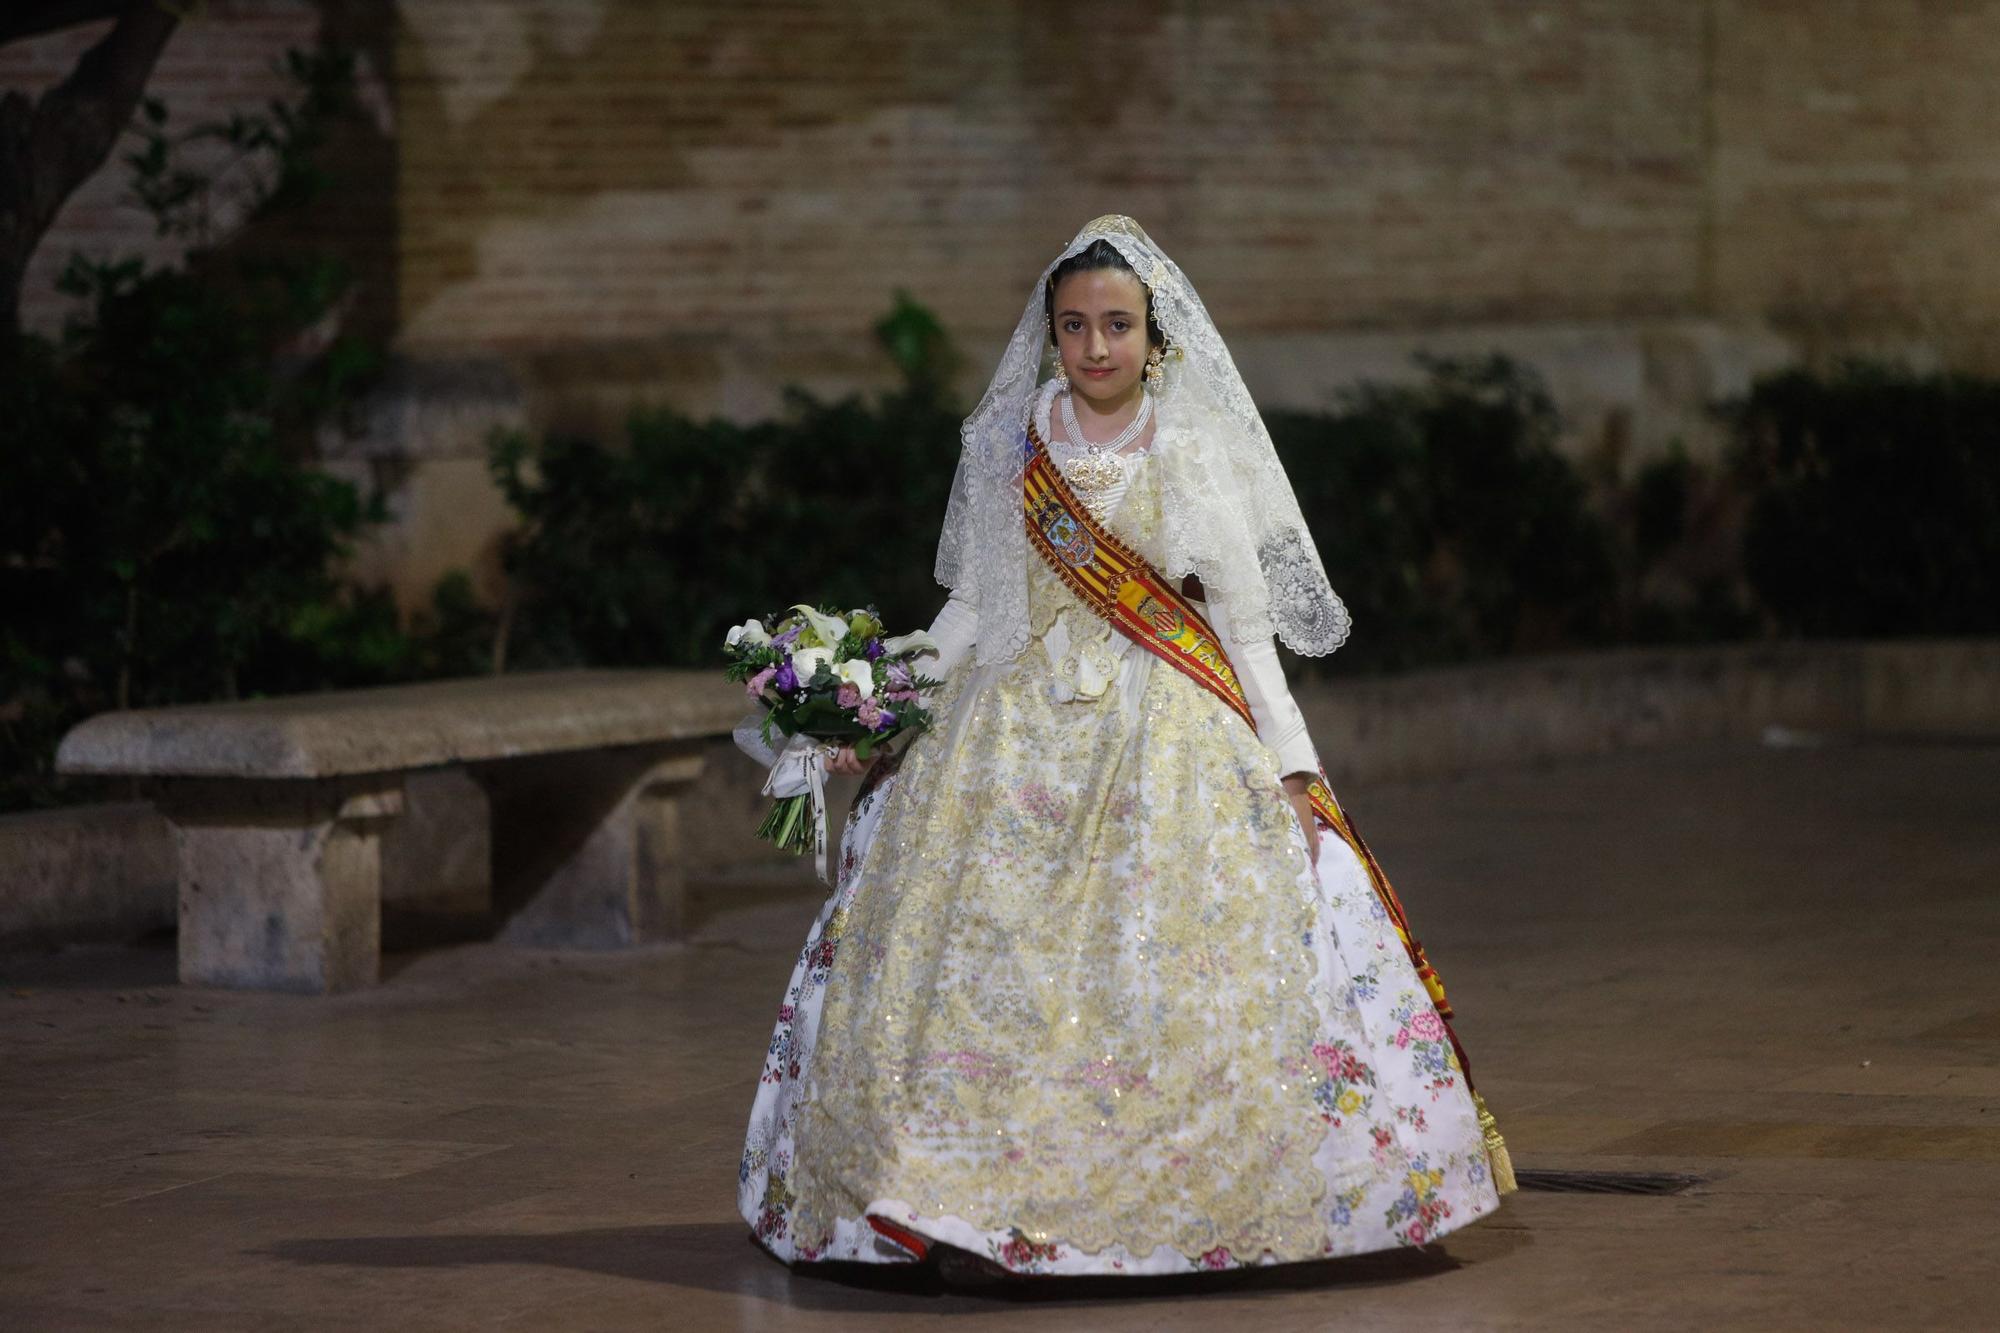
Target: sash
1112, 580
1119, 585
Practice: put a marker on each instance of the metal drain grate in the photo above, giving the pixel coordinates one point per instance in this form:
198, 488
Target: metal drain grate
1606, 1182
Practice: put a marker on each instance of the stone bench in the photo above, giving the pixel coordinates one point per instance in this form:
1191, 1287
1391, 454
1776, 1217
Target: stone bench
292, 815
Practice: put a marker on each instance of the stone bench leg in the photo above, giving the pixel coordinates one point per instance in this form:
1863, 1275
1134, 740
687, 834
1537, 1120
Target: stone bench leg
588, 849
437, 856
281, 881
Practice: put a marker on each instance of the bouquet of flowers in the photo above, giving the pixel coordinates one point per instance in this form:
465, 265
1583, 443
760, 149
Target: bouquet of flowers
825, 677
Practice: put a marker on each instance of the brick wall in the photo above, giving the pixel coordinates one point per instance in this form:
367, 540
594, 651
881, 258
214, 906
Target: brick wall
577, 171
594, 202
1855, 173
209, 69
753, 169
627, 170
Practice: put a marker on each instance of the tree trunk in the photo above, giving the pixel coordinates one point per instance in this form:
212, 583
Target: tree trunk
51, 146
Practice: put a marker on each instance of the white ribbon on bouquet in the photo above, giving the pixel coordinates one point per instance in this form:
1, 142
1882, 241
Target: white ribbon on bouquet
801, 767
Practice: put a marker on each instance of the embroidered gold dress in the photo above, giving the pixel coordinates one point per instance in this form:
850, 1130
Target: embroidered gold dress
1081, 1002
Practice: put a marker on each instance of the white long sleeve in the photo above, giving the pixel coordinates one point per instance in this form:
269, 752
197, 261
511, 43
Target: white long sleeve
956, 629
1280, 724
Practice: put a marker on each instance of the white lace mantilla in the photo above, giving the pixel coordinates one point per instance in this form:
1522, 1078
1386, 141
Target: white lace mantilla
1229, 513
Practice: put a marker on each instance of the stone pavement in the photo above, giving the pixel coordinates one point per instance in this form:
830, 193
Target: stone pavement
1779, 969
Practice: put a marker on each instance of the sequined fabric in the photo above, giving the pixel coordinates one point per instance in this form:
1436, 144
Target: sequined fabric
1081, 1002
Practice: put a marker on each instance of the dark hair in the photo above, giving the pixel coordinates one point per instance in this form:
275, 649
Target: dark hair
1098, 254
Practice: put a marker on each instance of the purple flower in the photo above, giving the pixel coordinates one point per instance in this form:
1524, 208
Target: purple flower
847, 696
886, 719
786, 680
789, 637
755, 685
899, 695
868, 714
873, 650
899, 675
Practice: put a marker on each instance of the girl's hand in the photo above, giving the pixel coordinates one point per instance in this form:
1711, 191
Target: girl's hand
843, 760
1295, 787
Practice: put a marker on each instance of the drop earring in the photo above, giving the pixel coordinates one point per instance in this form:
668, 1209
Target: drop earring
1155, 370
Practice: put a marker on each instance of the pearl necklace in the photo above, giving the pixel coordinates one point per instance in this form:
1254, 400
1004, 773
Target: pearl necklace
1102, 466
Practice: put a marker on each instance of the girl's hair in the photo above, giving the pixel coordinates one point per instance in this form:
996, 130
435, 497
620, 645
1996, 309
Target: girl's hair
1098, 254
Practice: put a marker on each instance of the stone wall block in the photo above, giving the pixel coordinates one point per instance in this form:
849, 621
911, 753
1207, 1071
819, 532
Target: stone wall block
85, 872
1932, 687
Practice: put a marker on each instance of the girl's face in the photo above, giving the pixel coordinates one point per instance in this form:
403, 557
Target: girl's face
1100, 329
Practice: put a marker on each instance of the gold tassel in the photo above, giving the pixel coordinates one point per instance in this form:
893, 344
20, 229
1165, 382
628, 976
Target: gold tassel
1496, 1149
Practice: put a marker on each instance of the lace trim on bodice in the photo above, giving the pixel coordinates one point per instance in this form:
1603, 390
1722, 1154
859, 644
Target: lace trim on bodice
1086, 471
1134, 517
1083, 654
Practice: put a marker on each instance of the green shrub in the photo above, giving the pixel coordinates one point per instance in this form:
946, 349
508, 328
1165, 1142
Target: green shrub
1678, 530
162, 536
645, 554
1875, 504
1446, 519
1444, 515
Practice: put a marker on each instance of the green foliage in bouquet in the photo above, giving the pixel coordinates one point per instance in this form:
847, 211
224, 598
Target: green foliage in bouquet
829, 676
845, 648
787, 825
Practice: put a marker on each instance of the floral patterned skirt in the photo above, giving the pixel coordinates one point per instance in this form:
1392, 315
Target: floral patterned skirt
1081, 1003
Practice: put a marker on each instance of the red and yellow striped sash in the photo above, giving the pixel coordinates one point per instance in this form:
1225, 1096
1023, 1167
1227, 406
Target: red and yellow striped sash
1115, 582
1118, 584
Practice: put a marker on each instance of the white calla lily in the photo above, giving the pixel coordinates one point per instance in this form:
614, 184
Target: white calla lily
830, 629
919, 642
806, 661
751, 632
859, 674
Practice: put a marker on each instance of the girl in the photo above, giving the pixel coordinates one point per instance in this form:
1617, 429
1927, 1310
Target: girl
1108, 984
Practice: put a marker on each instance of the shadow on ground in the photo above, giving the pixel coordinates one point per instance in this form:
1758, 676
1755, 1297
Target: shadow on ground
721, 1257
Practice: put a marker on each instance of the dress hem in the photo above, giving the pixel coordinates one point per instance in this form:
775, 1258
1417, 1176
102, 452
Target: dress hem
882, 1235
